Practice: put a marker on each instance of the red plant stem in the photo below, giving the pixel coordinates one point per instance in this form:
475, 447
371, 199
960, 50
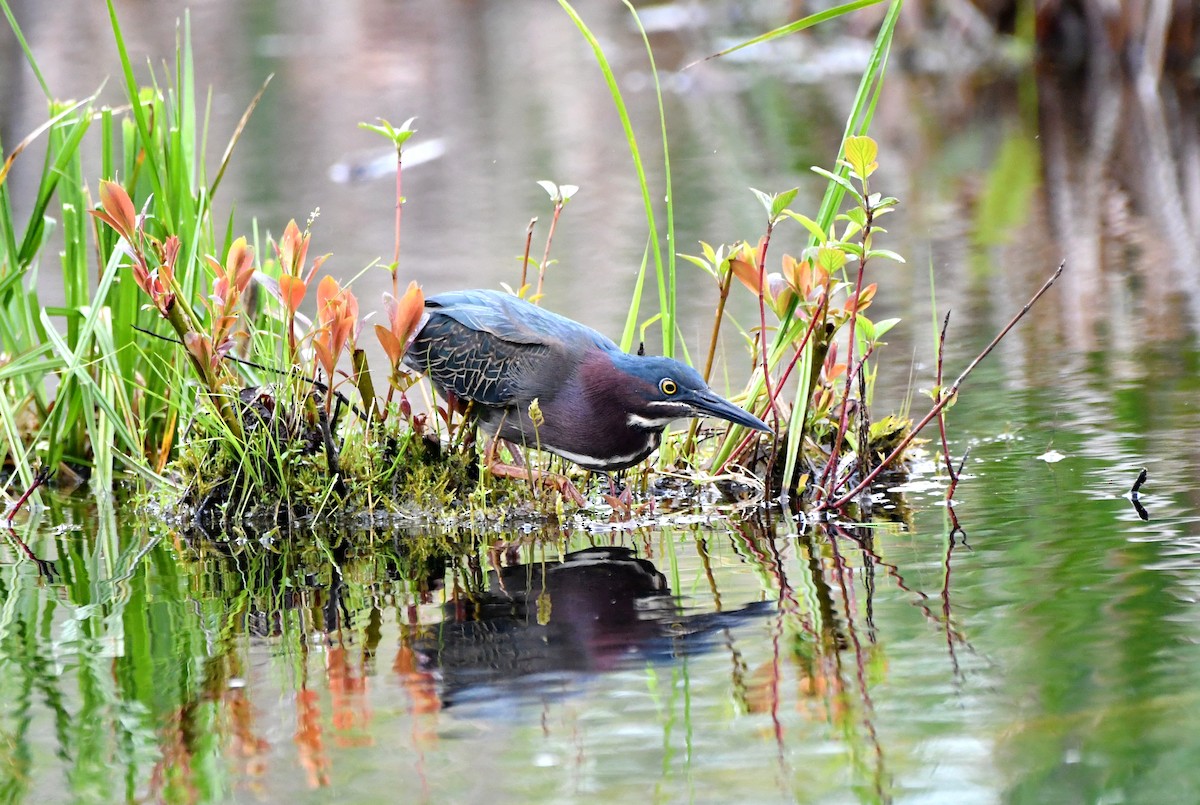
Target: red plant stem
942, 414
829, 476
748, 437
712, 343
812, 325
558, 205
42, 476
841, 571
387, 403
762, 322
525, 260
399, 205
859, 367
947, 397
722, 298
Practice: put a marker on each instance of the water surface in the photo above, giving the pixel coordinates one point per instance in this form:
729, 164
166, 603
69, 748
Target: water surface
1046, 652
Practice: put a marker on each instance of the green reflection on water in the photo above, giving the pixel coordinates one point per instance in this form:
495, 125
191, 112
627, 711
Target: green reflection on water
1050, 658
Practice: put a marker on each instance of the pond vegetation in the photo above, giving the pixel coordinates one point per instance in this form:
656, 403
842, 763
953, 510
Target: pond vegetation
306, 527
192, 345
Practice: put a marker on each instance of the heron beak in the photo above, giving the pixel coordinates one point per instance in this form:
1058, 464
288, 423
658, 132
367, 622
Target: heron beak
708, 403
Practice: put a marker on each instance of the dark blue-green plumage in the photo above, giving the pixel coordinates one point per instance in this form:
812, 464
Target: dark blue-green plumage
602, 408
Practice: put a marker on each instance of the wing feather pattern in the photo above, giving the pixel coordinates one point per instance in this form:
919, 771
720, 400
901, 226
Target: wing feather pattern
494, 349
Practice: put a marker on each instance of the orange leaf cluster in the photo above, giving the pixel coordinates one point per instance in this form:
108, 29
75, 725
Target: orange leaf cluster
292, 251
337, 317
118, 212
744, 265
404, 315
229, 283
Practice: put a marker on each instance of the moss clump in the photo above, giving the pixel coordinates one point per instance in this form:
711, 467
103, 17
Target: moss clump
292, 463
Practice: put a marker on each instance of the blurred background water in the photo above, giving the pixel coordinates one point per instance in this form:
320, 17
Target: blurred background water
1050, 658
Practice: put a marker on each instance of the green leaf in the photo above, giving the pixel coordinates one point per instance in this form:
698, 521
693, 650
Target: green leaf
841, 181
861, 152
781, 202
857, 215
887, 254
812, 226
865, 329
798, 25
852, 228
831, 258
398, 136
665, 273
700, 262
882, 326
763, 198
883, 202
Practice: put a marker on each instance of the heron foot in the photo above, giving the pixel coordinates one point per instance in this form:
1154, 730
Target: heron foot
551, 480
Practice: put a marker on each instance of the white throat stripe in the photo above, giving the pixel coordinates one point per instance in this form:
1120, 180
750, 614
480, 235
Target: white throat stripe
650, 423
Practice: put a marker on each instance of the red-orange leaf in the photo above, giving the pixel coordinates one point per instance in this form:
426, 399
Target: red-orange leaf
324, 354
391, 345
200, 346
405, 315
327, 292
864, 298
292, 289
239, 264
108, 219
747, 272
292, 249
119, 206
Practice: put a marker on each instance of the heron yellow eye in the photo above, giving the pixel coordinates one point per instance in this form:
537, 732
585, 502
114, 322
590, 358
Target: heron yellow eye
667, 386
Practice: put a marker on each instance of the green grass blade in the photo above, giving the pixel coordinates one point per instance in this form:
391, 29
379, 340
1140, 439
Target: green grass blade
152, 156
857, 122
635, 304
623, 113
793, 27
667, 295
16, 29
61, 159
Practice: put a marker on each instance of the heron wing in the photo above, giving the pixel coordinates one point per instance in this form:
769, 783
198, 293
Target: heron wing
492, 348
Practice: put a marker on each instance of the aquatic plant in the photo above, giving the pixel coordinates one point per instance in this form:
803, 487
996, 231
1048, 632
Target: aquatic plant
285, 401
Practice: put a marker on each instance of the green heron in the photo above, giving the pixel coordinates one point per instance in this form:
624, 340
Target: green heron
601, 408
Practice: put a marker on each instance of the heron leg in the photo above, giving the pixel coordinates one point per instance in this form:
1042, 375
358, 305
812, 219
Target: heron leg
491, 453
560, 483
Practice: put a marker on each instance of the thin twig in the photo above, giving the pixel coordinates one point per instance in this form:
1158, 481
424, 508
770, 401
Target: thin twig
525, 260
724, 285
43, 475
858, 371
312, 381
812, 324
829, 475
762, 319
941, 354
399, 207
558, 206
766, 365
947, 396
